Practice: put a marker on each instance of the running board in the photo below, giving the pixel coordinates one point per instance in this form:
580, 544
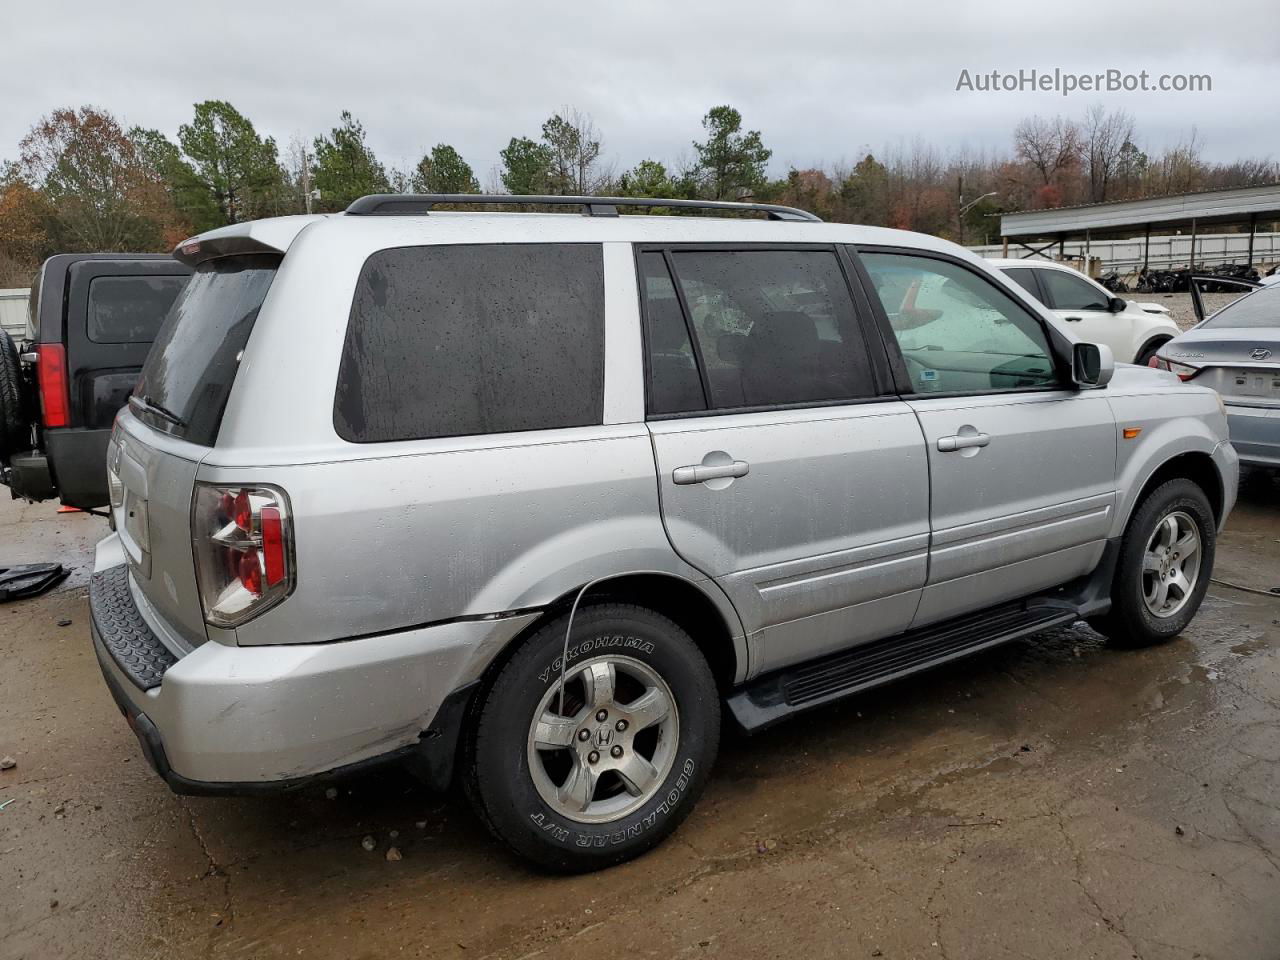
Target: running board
776, 696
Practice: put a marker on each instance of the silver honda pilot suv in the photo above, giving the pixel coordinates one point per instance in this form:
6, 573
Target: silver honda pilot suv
530, 501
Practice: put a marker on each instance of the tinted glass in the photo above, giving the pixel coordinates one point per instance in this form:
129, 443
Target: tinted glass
674, 384
958, 331
1066, 292
456, 340
1259, 309
193, 363
773, 326
130, 309
1024, 278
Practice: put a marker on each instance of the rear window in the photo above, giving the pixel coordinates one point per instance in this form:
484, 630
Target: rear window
1259, 309
130, 309
192, 365
460, 340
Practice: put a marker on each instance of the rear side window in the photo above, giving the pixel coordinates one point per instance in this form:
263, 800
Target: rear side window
192, 365
130, 309
450, 341
772, 327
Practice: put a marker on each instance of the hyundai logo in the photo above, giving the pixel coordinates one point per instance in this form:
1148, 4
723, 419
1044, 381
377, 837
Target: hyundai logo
1260, 353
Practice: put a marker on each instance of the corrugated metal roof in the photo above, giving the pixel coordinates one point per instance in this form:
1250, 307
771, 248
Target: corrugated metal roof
1235, 204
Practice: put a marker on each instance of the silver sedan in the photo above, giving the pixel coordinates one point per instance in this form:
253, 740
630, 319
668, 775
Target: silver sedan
1237, 352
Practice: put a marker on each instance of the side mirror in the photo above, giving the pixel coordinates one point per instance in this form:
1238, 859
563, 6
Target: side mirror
1117, 304
1092, 365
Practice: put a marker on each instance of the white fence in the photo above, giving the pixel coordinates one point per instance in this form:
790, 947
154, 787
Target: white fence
1125, 256
13, 312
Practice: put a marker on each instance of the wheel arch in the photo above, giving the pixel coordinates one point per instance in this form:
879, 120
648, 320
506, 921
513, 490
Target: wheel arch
1196, 466
700, 608
1154, 341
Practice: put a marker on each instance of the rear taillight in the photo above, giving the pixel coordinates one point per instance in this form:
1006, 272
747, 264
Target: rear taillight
244, 551
51, 377
1184, 371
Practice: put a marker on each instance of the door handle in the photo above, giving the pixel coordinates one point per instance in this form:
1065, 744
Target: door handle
699, 472
1073, 319
950, 444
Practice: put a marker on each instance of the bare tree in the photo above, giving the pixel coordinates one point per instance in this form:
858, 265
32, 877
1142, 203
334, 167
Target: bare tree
1050, 146
1106, 133
576, 167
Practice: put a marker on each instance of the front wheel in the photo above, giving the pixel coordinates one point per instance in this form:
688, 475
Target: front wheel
597, 770
1166, 559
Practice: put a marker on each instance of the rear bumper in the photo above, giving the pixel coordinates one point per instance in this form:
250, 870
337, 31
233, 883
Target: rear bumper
78, 463
72, 467
225, 719
1255, 434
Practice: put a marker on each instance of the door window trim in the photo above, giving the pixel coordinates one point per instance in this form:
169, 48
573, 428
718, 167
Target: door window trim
906, 389
883, 382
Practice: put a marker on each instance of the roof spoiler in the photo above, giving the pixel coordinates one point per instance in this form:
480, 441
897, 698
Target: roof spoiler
242, 239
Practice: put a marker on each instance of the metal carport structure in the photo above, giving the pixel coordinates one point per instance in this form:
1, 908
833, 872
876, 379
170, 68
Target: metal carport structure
1237, 206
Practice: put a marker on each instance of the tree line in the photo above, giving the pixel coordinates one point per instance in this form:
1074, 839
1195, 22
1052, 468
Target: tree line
84, 181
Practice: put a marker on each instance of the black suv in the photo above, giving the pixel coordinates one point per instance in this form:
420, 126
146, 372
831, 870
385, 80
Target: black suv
93, 316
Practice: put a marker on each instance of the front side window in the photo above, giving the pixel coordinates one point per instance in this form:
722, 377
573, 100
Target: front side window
448, 341
959, 332
130, 309
1066, 292
773, 327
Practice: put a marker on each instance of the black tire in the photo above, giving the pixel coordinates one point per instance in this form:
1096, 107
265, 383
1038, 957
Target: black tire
15, 428
1147, 352
496, 765
1130, 623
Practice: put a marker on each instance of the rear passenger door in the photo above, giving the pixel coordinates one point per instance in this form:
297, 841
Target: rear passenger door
787, 470
1022, 463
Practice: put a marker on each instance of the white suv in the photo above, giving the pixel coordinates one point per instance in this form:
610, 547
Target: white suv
1133, 331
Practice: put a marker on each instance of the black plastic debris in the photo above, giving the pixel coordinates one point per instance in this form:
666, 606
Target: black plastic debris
30, 580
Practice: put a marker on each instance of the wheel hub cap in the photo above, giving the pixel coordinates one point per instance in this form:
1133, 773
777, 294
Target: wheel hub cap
608, 749
1171, 565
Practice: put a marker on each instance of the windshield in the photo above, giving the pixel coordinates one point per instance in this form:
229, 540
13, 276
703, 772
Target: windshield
189, 371
1261, 308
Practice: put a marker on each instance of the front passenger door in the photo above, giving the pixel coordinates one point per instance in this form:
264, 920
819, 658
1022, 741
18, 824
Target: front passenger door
1085, 310
1022, 464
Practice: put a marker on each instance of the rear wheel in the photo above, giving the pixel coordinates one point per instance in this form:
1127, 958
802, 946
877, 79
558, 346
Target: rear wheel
1166, 559
600, 770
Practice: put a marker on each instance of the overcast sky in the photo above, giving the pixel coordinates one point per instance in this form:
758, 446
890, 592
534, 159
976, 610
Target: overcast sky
822, 81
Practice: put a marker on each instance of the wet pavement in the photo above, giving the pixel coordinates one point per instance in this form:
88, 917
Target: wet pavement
1053, 798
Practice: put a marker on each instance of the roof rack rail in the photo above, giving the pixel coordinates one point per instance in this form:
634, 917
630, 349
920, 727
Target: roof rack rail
404, 204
